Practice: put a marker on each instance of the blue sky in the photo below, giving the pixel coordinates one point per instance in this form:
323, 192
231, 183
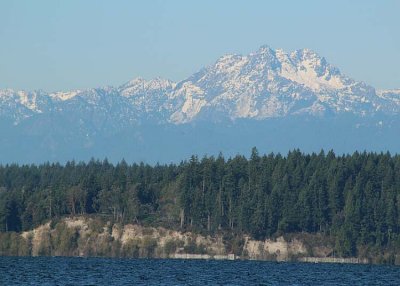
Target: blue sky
61, 45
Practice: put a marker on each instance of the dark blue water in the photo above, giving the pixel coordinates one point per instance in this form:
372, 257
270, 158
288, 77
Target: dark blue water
99, 271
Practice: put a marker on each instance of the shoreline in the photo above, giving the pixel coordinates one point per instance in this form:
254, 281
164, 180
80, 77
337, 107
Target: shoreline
207, 257
89, 237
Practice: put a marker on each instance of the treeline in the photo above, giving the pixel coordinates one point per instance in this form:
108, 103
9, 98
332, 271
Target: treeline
353, 198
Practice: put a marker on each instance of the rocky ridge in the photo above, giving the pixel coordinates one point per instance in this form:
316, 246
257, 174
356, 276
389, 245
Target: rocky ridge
264, 84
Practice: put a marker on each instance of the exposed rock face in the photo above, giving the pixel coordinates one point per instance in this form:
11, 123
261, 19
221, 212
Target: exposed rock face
279, 249
84, 237
38, 237
89, 237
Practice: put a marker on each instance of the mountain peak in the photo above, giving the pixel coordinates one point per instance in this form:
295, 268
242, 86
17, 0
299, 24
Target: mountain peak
265, 49
263, 84
141, 86
64, 95
307, 53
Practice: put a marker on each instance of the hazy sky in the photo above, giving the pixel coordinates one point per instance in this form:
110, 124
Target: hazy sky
61, 45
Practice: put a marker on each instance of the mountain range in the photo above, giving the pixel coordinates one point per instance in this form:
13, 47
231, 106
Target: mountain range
271, 99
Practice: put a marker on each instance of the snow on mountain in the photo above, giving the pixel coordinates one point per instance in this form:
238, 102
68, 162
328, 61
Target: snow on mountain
149, 98
19, 105
270, 83
307, 68
264, 84
389, 100
60, 95
139, 86
390, 95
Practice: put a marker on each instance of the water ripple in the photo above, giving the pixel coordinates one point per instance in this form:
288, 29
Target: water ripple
103, 271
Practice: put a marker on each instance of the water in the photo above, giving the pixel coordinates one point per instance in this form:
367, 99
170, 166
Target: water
103, 271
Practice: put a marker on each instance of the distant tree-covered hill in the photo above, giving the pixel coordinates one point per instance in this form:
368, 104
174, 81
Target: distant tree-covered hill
353, 198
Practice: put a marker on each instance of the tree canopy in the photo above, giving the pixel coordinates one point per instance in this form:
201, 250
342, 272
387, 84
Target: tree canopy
355, 198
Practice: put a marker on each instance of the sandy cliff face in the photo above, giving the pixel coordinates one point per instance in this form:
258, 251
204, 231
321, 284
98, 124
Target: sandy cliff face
81, 236
37, 237
85, 237
278, 249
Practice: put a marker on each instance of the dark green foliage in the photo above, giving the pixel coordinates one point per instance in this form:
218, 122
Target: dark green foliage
64, 240
13, 244
131, 249
193, 247
353, 198
170, 246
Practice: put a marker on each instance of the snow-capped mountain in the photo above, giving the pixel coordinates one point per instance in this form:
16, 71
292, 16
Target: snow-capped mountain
259, 87
266, 83
271, 83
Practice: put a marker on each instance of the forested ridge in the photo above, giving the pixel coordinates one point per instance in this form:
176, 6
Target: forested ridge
354, 199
